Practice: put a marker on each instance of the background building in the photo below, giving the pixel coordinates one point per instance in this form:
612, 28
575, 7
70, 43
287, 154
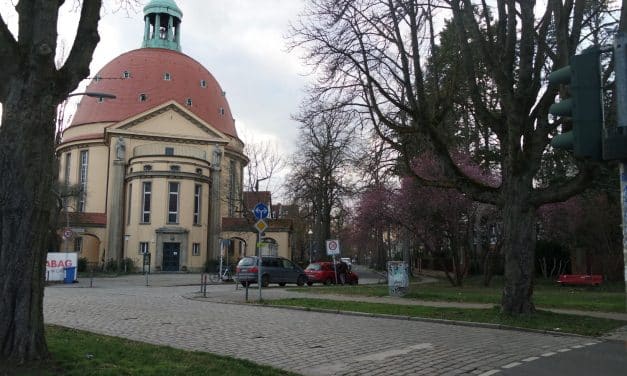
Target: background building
160, 165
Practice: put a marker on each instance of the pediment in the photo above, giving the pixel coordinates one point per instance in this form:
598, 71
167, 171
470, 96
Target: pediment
169, 120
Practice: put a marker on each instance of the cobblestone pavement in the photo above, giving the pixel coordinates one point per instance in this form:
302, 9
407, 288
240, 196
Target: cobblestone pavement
310, 343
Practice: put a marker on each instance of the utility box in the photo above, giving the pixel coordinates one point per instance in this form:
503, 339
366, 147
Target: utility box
398, 278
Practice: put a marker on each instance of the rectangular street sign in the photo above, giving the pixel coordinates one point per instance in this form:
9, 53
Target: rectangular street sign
333, 247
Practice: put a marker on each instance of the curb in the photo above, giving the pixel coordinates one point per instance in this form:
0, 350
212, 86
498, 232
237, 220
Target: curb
412, 318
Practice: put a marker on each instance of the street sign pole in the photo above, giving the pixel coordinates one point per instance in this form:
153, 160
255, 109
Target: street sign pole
335, 269
261, 212
260, 263
333, 248
620, 64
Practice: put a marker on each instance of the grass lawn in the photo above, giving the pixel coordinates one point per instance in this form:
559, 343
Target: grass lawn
542, 320
82, 353
547, 294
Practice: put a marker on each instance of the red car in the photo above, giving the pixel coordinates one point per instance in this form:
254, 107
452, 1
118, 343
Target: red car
323, 272
580, 279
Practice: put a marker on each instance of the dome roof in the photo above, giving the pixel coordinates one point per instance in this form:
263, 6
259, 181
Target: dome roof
147, 77
163, 6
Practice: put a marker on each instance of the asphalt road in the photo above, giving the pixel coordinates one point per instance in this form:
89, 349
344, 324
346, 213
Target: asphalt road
314, 343
607, 358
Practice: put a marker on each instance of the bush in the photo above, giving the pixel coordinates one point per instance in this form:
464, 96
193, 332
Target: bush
111, 265
552, 259
126, 265
82, 264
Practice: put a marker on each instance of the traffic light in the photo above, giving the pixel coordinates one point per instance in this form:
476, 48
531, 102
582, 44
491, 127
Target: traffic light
584, 107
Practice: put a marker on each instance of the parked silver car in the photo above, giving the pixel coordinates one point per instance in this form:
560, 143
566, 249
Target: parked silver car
274, 270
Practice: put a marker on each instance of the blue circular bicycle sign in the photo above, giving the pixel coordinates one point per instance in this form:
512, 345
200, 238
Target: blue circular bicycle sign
261, 211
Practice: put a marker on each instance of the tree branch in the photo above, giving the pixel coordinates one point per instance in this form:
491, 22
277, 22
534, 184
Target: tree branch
76, 68
9, 58
564, 191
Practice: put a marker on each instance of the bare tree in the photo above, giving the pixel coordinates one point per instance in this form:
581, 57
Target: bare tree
31, 87
381, 58
319, 179
265, 162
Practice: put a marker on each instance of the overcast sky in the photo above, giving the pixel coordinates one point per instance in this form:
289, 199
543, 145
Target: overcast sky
241, 42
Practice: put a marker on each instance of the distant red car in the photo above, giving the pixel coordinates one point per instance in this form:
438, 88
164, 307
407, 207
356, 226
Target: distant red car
323, 272
580, 279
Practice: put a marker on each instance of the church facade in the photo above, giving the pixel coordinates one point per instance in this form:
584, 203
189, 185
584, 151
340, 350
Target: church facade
160, 165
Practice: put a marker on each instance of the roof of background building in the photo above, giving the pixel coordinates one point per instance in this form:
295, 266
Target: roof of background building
253, 198
84, 219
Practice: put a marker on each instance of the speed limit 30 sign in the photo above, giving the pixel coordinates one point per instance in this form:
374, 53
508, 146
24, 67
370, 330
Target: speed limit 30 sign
333, 247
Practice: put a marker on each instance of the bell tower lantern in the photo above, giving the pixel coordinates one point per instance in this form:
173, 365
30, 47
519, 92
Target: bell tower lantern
162, 25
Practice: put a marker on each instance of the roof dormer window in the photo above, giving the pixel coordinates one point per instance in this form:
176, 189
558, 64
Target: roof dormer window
188, 101
167, 76
203, 83
143, 97
97, 78
100, 99
126, 74
221, 111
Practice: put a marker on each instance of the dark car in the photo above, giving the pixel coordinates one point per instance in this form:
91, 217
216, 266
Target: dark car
273, 270
323, 272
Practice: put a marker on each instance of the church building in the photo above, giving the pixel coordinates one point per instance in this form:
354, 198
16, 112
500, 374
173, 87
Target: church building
160, 165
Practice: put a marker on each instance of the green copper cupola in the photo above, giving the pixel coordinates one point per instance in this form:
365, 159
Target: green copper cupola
162, 25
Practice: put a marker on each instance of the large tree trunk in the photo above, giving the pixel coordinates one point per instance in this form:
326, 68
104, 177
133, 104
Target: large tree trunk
519, 241
26, 159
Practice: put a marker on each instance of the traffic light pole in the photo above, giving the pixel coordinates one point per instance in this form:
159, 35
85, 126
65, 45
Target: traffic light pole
620, 64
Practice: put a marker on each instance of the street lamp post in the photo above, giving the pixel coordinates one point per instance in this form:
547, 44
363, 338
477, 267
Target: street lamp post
94, 95
67, 226
310, 233
125, 253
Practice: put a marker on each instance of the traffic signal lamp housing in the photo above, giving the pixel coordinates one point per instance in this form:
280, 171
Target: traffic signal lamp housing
584, 107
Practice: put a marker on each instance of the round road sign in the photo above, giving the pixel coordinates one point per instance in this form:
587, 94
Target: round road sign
67, 233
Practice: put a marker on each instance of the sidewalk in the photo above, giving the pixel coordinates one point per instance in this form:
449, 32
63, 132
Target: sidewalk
228, 293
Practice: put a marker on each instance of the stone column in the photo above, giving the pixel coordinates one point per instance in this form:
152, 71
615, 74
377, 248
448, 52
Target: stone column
146, 29
177, 35
115, 211
215, 216
170, 28
157, 34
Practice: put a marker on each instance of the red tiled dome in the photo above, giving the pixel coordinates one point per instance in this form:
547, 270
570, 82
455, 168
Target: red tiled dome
146, 88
